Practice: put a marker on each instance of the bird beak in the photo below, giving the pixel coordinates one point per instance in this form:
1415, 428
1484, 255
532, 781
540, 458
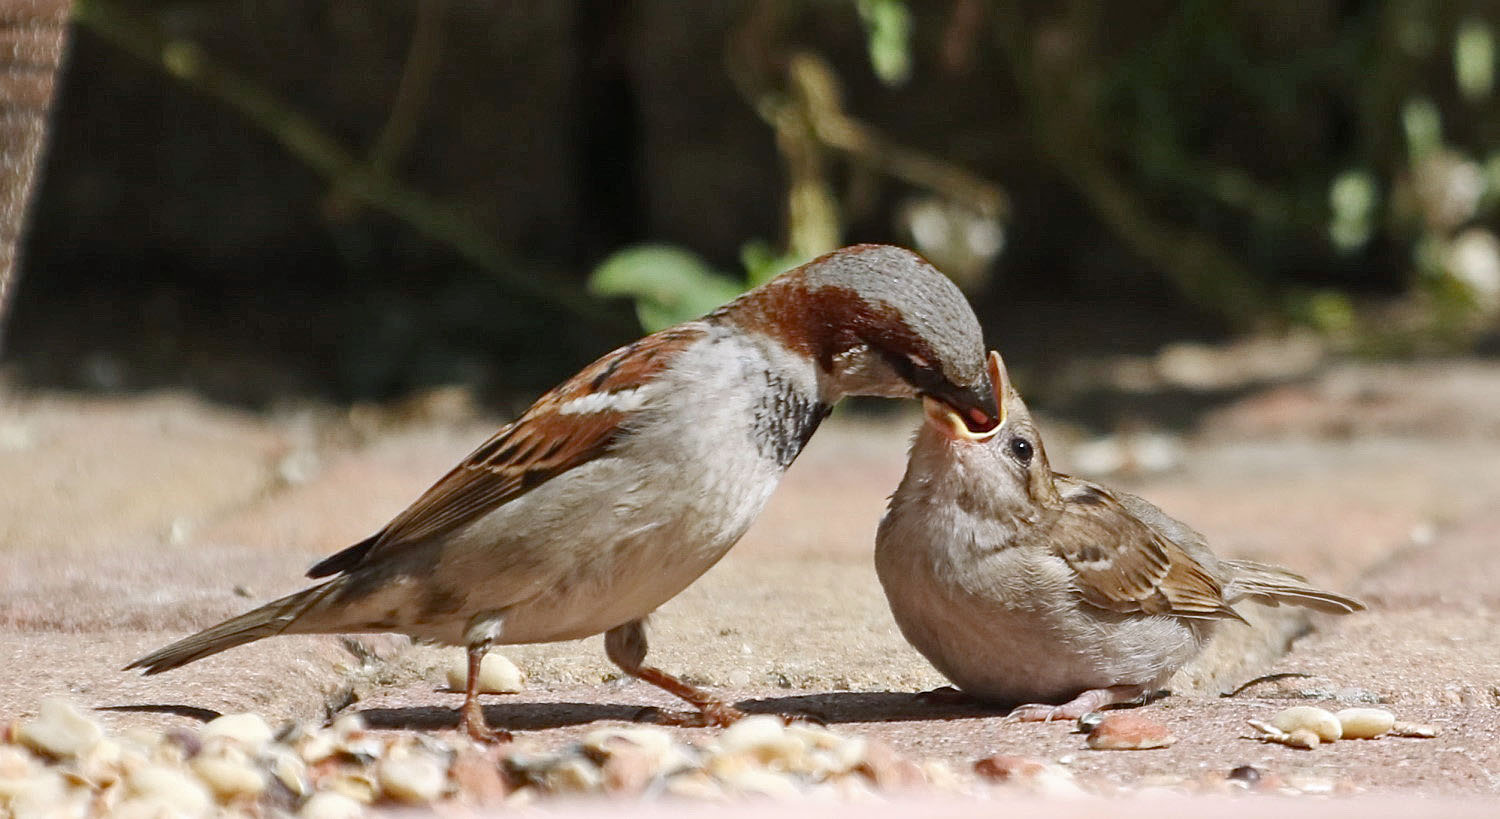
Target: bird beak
957, 412
949, 423
975, 406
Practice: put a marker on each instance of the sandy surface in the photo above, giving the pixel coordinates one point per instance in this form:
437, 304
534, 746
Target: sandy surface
128, 522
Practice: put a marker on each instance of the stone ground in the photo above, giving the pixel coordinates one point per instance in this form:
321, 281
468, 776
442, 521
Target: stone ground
127, 522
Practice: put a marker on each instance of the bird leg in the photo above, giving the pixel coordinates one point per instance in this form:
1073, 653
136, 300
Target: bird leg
626, 647
1090, 700
481, 633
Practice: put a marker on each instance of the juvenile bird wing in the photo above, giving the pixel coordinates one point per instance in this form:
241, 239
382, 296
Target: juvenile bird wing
1123, 564
573, 424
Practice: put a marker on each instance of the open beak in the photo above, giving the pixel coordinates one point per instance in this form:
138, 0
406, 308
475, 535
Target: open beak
958, 413
975, 406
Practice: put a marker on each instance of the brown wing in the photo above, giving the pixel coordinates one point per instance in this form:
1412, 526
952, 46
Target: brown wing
541, 444
1122, 564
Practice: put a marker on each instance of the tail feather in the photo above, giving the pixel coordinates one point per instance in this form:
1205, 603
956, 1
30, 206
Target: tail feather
1273, 586
271, 619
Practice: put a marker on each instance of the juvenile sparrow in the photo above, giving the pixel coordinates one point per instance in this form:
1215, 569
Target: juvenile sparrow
622, 485
1023, 585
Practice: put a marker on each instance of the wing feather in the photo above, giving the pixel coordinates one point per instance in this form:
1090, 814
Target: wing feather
565, 428
1123, 564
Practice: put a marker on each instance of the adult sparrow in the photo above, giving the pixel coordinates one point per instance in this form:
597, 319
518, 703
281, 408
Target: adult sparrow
1023, 585
622, 485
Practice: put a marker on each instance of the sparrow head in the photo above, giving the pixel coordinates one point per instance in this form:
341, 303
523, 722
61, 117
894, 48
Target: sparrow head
1005, 465
878, 320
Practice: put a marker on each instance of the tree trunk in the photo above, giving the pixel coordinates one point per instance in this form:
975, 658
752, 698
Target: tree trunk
32, 33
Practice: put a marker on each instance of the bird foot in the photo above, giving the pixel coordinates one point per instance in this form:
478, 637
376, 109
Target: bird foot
484, 735
1090, 700
472, 723
713, 714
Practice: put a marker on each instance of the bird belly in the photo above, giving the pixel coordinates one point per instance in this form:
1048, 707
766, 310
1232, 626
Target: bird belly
569, 560
1020, 657
1028, 639
610, 540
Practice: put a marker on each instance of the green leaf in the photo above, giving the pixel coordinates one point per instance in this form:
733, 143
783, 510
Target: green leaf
1474, 59
888, 35
762, 263
669, 284
1423, 124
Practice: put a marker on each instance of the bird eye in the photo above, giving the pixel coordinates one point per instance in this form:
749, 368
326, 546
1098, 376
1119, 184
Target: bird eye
1021, 450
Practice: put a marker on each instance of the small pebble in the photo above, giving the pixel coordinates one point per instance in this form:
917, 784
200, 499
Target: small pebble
1312, 784
1007, 768
317, 746
1365, 723
1248, 774
628, 772
1055, 781
477, 778
37, 795
573, 775
330, 805
497, 674
15, 764
59, 730
353, 784
349, 726
1417, 730
1317, 720
235, 764
654, 743
1087, 722
762, 782
888, 769
762, 735
169, 785
1304, 738
1129, 732
697, 786
290, 771
415, 778
938, 774
229, 775
185, 740
249, 730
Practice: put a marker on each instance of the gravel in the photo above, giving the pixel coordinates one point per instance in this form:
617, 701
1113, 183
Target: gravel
62, 763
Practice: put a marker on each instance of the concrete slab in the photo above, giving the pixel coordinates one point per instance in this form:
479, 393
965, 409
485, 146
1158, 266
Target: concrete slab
130, 522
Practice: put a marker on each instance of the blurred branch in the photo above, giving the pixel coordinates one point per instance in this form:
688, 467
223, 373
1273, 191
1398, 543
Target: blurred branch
808, 116
303, 138
416, 78
816, 88
1198, 266
395, 137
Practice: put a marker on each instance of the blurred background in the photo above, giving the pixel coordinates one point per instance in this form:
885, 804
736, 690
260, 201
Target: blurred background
287, 261
359, 200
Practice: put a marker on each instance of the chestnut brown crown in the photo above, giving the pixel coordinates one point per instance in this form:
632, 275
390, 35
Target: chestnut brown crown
885, 304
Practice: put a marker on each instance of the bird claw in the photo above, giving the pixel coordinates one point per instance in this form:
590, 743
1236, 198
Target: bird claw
485, 735
709, 715
1039, 712
1093, 699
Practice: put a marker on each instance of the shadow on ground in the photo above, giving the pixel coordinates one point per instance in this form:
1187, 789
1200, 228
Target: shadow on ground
830, 708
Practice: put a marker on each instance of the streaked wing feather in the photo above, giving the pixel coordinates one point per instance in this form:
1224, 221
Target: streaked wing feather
1124, 565
538, 446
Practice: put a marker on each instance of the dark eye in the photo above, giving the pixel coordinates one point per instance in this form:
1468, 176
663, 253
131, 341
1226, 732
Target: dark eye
1021, 450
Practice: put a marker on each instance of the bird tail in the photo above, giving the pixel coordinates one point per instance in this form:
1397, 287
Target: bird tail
271, 619
1272, 586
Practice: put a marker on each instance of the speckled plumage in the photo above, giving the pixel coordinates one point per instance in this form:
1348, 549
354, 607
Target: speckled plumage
622, 485
1022, 585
